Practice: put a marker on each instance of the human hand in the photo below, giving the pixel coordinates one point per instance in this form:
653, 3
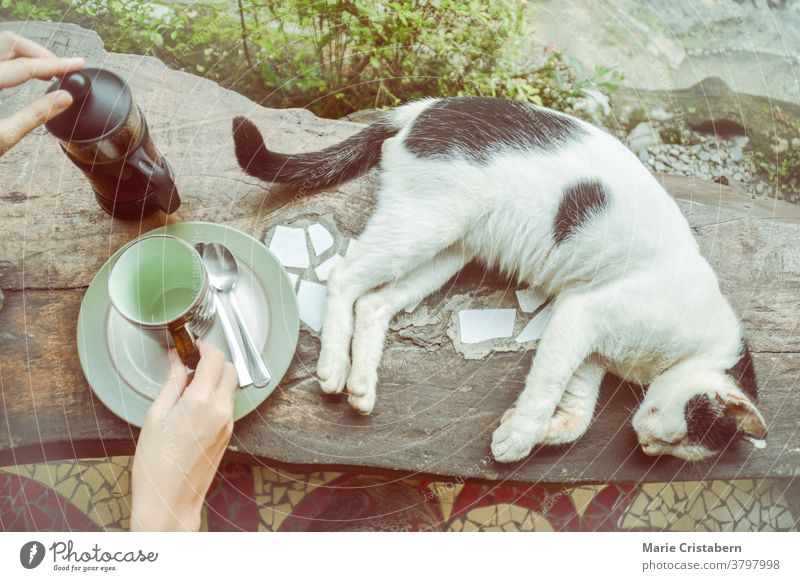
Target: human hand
181, 444
21, 60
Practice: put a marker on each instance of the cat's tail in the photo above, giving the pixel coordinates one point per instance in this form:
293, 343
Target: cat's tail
312, 171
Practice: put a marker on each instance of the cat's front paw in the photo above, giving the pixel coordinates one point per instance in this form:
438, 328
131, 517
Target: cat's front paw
363, 404
514, 439
332, 371
361, 389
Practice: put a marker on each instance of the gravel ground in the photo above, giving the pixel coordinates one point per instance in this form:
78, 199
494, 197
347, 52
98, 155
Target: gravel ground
712, 158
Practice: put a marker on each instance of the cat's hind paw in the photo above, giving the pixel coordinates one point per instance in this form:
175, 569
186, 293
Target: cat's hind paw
566, 427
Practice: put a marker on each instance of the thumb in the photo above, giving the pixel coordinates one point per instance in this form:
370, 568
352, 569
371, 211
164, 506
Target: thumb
174, 385
39, 111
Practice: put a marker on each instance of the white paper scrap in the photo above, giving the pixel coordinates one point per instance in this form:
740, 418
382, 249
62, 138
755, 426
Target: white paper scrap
311, 301
289, 246
293, 279
412, 308
483, 324
351, 246
321, 239
324, 269
759, 444
530, 299
535, 328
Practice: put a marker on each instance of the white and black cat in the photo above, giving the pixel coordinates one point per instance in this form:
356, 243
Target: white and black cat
558, 204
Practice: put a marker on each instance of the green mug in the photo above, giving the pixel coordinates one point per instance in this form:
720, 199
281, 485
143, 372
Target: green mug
159, 284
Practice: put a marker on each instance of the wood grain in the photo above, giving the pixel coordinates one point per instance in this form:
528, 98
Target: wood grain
435, 415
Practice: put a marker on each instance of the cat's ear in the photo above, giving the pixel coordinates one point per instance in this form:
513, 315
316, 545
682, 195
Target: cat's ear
748, 419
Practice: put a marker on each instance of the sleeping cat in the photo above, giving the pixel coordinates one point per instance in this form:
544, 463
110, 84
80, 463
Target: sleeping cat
560, 205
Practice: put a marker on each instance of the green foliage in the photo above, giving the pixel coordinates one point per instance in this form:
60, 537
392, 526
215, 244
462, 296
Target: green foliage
336, 56
678, 136
782, 169
29, 10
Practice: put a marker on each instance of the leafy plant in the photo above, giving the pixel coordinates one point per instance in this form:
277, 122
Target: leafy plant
29, 10
336, 56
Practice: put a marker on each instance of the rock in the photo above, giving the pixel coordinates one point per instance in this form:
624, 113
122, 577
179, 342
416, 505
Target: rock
643, 137
781, 145
594, 105
660, 114
711, 107
365, 116
668, 46
719, 159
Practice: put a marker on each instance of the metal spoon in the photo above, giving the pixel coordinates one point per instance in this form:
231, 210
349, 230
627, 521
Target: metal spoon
239, 362
223, 273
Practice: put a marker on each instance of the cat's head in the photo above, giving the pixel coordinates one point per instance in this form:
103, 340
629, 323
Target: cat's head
694, 414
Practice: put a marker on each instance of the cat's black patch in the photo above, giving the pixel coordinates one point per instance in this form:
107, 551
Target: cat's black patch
744, 374
479, 127
579, 203
708, 424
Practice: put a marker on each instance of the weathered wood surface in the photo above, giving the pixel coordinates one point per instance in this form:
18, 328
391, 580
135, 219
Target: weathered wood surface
436, 410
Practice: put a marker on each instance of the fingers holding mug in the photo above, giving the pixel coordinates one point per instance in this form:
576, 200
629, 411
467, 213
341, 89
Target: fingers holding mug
209, 370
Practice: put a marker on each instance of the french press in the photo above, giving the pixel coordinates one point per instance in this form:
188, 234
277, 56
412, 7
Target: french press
105, 134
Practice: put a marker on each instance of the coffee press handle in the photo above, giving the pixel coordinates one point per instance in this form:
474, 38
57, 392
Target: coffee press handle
158, 180
186, 346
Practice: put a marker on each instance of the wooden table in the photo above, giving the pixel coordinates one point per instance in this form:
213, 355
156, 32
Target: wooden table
436, 410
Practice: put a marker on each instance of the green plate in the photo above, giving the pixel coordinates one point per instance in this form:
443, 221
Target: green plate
126, 369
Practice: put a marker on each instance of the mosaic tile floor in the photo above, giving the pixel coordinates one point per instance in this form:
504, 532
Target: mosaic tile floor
91, 495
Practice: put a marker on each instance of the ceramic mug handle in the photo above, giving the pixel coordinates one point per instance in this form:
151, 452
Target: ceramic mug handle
186, 346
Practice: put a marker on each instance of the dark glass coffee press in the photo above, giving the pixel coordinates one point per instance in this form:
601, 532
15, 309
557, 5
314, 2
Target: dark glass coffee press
105, 134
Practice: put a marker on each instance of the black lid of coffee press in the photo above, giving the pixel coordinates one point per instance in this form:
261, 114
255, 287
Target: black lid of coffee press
101, 103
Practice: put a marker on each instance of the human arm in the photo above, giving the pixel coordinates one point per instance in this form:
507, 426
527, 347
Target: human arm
181, 444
